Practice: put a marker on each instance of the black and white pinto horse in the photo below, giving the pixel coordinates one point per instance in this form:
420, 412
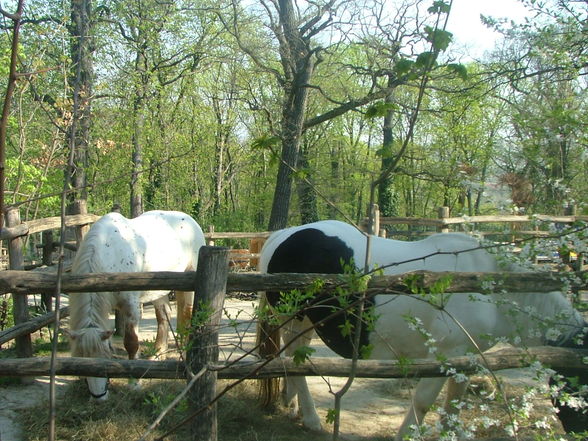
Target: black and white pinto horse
408, 326
154, 241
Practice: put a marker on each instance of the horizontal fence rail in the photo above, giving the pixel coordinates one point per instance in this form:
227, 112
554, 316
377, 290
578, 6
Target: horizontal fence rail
49, 223
319, 366
27, 282
31, 325
459, 220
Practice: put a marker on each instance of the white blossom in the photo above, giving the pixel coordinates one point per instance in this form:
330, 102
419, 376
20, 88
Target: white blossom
552, 334
460, 378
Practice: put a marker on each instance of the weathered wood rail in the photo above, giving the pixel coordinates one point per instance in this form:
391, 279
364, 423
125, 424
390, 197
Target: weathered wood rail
50, 223
30, 326
328, 366
444, 223
26, 282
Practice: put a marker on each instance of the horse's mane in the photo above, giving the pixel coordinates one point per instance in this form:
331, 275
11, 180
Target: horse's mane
88, 309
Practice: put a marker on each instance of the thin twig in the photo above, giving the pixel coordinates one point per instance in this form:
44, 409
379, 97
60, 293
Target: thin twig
173, 404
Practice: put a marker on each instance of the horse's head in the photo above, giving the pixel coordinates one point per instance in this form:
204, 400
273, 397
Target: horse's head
92, 342
571, 390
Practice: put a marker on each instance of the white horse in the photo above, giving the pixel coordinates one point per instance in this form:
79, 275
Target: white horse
154, 241
406, 326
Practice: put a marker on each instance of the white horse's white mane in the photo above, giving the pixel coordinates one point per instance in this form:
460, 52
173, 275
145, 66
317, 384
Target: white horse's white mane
88, 309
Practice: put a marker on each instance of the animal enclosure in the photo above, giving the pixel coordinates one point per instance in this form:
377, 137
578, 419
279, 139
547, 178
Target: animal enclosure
29, 282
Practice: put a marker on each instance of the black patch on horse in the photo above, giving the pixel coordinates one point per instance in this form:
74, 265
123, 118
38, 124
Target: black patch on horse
572, 419
312, 251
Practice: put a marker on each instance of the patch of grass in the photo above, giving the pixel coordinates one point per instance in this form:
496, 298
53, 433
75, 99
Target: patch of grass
42, 347
124, 416
241, 419
128, 412
9, 381
148, 349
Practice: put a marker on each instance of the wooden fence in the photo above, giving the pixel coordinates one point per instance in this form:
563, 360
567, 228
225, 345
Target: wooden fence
211, 281
15, 234
216, 281
20, 283
445, 223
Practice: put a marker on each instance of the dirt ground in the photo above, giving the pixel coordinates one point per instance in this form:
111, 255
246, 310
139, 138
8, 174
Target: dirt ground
371, 407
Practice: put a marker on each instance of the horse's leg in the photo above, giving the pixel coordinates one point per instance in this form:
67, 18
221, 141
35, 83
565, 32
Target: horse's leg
184, 304
423, 398
455, 393
163, 315
297, 385
131, 311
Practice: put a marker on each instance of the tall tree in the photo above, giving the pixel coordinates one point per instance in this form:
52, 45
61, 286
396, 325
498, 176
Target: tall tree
81, 85
298, 28
145, 27
298, 56
387, 200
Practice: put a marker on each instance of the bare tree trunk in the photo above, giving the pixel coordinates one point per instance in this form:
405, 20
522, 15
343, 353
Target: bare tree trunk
221, 146
136, 197
298, 62
293, 119
81, 84
387, 200
306, 194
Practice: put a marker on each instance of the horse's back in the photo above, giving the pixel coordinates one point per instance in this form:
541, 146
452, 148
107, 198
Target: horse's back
288, 239
154, 241
336, 240
172, 240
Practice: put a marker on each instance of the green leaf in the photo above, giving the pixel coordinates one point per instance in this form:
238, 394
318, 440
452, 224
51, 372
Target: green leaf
346, 328
413, 283
380, 110
403, 66
331, 416
425, 60
439, 7
265, 142
459, 69
302, 354
439, 38
300, 174
404, 364
365, 351
441, 285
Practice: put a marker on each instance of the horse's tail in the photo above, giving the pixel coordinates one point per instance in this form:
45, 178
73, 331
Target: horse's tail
268, 344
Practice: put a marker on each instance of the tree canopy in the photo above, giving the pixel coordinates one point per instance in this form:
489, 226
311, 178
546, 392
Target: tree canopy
258, 115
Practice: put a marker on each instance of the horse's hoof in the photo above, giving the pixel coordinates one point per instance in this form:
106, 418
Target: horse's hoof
313, 423
292, 411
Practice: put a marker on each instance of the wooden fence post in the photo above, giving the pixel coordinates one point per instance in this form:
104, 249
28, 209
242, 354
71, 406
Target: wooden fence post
442, 214
572, 210
24, 345
47, 260
211, 283
255, 246
210, 242
80, 206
